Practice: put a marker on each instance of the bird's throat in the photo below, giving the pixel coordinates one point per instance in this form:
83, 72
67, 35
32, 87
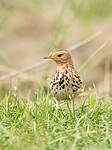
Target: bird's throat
63, 67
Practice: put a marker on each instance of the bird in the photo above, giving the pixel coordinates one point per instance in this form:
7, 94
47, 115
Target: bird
66, 83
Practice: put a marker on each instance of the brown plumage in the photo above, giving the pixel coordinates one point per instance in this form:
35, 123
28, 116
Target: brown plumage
66, 82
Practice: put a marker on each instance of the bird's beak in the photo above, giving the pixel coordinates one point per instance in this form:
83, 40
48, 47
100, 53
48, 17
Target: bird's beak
49, 57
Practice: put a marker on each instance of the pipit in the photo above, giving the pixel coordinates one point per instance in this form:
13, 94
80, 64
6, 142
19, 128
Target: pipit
66, 82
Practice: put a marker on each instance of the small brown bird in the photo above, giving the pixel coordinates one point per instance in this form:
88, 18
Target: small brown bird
66, 82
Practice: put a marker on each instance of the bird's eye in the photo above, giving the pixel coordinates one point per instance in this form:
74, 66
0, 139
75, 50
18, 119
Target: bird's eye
60, 55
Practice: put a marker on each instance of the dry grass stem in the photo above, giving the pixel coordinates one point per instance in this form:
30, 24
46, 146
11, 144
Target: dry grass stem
38, 64
21, 76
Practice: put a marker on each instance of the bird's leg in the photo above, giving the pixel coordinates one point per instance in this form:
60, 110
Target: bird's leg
57, 107
72, 102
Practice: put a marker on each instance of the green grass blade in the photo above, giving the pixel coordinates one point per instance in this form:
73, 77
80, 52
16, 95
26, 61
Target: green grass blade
93, 55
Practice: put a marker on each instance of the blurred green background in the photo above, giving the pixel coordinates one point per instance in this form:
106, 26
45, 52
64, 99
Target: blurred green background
30, 29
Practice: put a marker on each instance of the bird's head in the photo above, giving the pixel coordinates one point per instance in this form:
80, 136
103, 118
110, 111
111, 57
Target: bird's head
61, 56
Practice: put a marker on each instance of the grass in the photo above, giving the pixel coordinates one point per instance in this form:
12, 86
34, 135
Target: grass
26, 124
